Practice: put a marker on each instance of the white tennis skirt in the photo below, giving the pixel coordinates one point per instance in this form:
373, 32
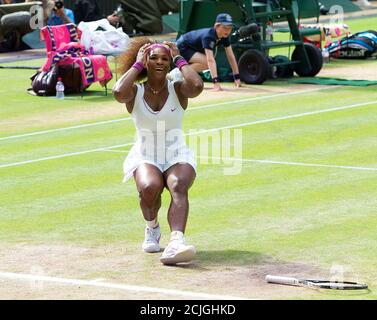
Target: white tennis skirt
163, 159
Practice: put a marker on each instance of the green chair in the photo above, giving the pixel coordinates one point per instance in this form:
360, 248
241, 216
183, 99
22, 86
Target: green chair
308, 9
252, 50
303, 9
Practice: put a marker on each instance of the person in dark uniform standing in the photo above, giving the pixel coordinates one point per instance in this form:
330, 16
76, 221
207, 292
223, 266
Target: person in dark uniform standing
146, 16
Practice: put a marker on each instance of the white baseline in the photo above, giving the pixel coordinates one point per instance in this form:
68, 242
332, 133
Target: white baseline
99, 284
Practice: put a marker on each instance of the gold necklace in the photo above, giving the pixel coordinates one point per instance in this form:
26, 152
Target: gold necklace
155, 92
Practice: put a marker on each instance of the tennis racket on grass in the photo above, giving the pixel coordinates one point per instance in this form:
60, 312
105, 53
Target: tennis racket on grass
316, 284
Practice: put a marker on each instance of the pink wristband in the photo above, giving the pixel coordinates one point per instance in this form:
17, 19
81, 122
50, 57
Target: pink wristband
138, 66
180, 63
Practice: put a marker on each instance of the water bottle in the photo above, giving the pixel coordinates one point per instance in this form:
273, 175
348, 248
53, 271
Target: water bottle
325, 56
60, 89
269, 31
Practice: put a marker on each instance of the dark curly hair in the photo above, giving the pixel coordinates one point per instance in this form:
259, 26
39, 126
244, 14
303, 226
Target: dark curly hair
128, 58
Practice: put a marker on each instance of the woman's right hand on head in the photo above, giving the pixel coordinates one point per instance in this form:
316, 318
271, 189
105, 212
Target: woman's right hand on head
142, 53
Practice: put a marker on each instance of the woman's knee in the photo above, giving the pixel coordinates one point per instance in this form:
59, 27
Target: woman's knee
179, 186
150, 192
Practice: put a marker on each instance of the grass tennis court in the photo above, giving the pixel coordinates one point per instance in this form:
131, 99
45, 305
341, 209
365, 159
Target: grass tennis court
304, 204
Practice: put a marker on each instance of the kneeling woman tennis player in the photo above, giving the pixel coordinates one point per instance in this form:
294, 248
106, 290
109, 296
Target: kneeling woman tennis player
160, 157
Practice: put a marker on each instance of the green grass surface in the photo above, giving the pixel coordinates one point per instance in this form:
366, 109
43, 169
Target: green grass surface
272, 213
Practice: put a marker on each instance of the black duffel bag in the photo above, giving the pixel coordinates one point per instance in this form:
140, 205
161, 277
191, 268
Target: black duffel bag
44, 83
71, 77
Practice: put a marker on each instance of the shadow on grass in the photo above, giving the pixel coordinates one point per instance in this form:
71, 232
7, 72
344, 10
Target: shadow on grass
231, 257
223, 258
92, 95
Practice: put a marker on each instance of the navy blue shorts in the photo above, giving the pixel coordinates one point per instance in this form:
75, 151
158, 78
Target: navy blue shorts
186, 51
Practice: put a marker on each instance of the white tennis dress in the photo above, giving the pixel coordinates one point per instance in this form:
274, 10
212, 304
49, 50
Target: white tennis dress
159, 137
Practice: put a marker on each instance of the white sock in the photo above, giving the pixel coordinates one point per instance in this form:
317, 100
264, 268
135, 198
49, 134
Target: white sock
152, 224
176, 235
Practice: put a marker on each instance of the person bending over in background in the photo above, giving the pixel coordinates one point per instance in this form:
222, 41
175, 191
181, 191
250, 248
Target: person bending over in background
198, 47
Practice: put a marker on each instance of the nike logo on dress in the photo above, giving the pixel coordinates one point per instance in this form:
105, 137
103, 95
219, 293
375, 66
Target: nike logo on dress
173, 109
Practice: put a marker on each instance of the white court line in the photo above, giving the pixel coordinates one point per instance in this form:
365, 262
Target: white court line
303, 164
65, 128
198, 132
62, 155
188, 109
288, 163
125, 287
116, 151
289, 117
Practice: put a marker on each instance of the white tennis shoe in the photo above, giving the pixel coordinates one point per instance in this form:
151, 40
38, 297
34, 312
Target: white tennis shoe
177, 251
151, 242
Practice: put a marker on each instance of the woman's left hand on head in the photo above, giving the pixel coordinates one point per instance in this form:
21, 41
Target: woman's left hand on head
173, 48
